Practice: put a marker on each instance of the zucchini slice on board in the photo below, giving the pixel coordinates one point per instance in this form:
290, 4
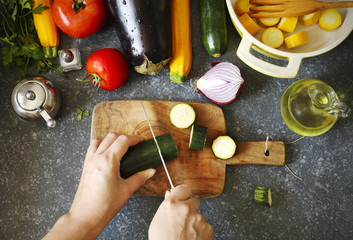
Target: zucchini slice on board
197, 137
182, 115
224, 147
263, 195
144, 155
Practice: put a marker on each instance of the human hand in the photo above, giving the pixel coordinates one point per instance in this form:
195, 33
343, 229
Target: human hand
178, 218
101, 192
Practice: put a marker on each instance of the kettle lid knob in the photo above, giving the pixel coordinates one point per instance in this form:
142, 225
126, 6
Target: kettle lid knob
30, 96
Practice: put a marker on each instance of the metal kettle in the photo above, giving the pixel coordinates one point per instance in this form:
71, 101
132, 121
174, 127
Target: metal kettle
36, 98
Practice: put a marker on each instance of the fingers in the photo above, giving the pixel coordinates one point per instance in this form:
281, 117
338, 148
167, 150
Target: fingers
138, 179
107, 142
180, 193
94, 145
92, 150
117, 144
194, 203
119, 147
208, 232
204, 229
178, 216
183, 193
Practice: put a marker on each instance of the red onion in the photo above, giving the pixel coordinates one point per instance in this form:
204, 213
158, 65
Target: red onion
221, 83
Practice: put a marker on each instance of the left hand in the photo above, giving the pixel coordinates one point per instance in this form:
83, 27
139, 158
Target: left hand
101, 192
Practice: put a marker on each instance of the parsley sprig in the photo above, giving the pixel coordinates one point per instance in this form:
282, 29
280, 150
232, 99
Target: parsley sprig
81, 113
22, 47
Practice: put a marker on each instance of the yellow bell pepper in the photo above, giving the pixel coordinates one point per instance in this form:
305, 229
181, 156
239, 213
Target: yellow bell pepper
47, 31
180, 64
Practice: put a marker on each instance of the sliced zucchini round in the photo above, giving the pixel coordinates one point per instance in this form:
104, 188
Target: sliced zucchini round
197, 137
263, 195
224, 147
182, 115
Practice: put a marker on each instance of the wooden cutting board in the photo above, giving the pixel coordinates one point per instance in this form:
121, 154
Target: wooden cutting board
200, 169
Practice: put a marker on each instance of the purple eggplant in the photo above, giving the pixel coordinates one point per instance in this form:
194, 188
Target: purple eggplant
144, 29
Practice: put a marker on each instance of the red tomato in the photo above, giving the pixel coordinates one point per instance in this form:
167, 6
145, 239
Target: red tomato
79, 18
107, 68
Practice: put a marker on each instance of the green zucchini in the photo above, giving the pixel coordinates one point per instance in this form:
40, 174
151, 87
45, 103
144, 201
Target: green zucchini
145, 155
197, 137
182, 115
263, 195
214, 26
224, 147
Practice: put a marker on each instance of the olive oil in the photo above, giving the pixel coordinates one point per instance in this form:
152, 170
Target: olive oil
306, 107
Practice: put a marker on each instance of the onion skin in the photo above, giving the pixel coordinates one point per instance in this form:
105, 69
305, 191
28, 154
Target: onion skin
221, 84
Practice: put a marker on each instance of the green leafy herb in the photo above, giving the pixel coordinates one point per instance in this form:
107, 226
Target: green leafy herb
22, 46
81, 113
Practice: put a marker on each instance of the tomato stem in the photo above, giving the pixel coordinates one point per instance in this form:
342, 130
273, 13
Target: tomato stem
94, 78
77, 5
86, 79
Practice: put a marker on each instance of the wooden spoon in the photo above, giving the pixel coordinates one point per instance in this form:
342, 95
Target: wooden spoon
292, 8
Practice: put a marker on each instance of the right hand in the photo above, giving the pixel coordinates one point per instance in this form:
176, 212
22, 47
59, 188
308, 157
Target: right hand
178, 218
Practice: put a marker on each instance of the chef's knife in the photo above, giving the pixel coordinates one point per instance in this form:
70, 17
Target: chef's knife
159, 150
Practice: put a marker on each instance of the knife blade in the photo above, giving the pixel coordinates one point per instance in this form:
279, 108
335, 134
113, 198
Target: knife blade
159, 150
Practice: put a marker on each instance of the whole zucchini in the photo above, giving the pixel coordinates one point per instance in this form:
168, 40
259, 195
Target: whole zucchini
214, 26
145, 155
144, 30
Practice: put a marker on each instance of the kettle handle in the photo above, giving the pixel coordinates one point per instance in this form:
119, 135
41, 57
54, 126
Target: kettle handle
50, 122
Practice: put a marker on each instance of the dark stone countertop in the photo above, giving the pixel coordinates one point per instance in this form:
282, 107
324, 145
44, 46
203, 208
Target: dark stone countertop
40, 168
